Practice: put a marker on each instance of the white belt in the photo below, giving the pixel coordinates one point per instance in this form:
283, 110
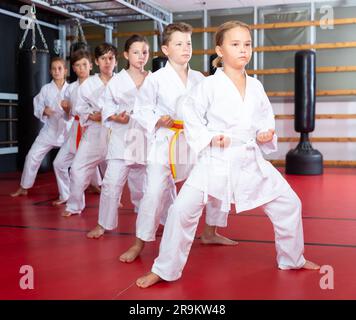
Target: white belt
249, 145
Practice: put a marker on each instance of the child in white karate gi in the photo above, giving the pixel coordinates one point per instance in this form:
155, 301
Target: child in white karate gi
127, 143
228, 121
47, 108
156, 110
81, 63
93, 146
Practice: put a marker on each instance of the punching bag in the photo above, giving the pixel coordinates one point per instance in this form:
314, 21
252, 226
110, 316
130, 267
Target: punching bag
33, 66
304, 159
158, 63
79, 43
212, 69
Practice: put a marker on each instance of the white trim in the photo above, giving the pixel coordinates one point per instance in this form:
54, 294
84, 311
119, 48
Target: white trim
205, 41
312, 18
9, 150
108, 34
8, 96
256, 40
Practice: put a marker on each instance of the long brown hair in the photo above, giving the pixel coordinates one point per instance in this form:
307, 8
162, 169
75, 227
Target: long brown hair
220, 33
134, 38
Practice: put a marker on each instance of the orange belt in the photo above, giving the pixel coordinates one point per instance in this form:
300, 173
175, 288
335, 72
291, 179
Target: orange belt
79, 133
177, 128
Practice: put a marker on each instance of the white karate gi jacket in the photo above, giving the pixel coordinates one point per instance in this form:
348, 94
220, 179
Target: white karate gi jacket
56, 127
126, 141
71, 95
159, 95
91, 98
238, 174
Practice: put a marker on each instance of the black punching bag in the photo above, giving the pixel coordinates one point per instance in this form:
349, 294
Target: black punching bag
304, 159
212, 69
158, 63
33, 66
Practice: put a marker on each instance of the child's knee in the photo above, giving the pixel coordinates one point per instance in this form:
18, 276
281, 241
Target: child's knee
294, 203
57, 164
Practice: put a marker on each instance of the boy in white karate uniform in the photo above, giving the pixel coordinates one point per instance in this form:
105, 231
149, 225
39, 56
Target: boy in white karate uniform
127, 147
156, 110
47, 108
93, 146
228, 120
81, 63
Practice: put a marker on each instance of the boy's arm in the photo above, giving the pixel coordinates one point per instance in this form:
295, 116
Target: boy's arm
267, 123
82, 106
193, 109
65, 104
109, 107
39, 105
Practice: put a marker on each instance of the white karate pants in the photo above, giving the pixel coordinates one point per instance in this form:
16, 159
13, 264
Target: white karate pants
284, 213
116, 175
33, 160
61, 165
154, 210
90, 154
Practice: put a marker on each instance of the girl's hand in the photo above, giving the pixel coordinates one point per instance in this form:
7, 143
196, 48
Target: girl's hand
48, 111
165, 121
96, 116
264, 137
122, 117
65, 104
220, 141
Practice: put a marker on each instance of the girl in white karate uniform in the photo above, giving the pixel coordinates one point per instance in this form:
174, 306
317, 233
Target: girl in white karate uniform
93, 146
127, 143
155, 109
81, 63
47, 108
228, 120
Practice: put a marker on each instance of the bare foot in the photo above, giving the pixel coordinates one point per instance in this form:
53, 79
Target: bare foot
148, 280
58, 202
96, 233
308, 265
217, 239
131, 254
66, 214
121, 205
94, 189
19, 192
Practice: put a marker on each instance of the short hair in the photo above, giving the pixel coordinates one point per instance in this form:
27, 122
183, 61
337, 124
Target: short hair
173, 27
79, 55
59, 59
104, 48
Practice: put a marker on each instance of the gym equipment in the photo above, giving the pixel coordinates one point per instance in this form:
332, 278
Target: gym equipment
304, 160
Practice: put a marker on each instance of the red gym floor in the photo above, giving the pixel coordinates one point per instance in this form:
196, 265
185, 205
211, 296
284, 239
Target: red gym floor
67, 265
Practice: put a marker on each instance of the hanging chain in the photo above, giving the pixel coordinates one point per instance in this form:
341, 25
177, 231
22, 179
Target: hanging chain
78, 33
81, 32
24, 37
42, 36
32, 25
76, 30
